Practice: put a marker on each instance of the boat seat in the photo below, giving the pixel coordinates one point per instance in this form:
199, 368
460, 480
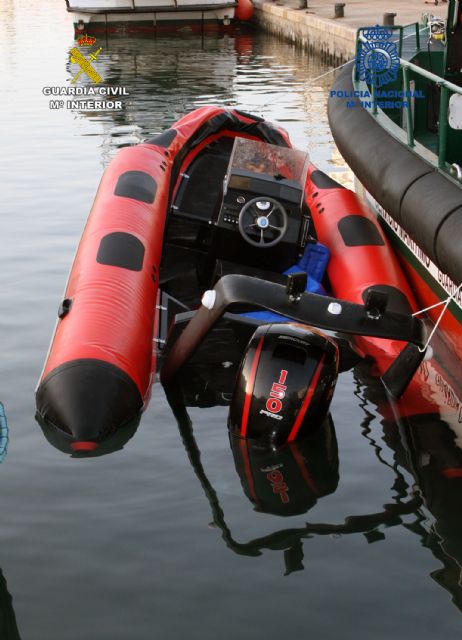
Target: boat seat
200, 194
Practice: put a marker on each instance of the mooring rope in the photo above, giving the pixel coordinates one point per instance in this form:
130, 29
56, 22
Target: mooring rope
326, 73
446, 302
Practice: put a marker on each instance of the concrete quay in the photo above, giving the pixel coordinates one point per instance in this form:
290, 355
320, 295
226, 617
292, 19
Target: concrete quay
316, 28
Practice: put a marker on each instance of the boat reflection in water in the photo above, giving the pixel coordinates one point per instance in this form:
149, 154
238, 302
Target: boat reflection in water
164, 79
424, 431
283, 481
309, 473
290, 480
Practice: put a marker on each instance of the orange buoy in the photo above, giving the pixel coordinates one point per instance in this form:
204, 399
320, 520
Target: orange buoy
244, 10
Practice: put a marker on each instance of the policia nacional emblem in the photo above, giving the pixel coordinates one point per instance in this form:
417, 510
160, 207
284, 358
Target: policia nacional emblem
377, 59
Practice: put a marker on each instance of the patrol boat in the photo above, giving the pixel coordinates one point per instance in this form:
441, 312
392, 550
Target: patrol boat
138, 17
396, 117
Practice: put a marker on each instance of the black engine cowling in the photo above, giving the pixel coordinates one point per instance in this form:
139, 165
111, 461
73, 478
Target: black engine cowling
284, 385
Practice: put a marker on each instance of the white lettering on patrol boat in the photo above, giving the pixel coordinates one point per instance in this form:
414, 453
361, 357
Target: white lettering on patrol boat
444, 280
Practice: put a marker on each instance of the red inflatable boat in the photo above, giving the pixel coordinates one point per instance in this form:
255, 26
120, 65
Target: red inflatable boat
100, 363
221, 193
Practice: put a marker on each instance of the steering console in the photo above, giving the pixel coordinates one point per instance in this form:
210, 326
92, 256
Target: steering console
263, 222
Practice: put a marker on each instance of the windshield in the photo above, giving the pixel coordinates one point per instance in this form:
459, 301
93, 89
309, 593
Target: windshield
262, 158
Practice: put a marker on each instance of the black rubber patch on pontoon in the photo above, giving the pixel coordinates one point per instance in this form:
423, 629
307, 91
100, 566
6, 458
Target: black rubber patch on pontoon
323, 181
164, 139
121, 249
64, 307
137, 185
357, 231
397, 301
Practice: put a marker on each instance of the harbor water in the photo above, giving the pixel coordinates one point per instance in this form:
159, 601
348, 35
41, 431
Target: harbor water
132, 545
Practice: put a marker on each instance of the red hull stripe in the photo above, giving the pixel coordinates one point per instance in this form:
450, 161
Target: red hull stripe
249, 388
306, 402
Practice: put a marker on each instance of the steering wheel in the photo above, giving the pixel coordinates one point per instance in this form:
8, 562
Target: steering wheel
263, 222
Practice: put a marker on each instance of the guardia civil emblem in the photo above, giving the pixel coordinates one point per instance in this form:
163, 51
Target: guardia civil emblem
76, 57
378, 61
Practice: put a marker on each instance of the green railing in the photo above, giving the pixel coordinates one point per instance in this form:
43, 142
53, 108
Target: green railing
445, 86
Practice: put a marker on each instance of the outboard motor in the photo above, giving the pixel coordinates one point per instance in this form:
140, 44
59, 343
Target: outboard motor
284, 385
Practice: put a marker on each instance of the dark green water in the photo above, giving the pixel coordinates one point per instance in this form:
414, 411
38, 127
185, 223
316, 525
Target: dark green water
121, 547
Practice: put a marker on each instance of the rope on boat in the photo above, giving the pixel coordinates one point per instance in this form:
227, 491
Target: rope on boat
326, 73
446, 303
